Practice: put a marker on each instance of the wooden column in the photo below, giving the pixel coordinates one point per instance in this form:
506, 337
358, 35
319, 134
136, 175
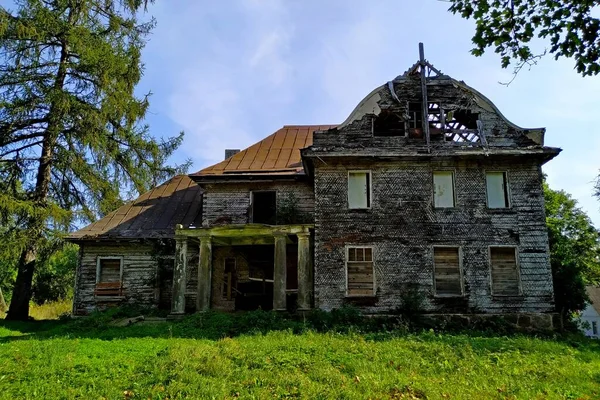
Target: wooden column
279, 273
179, 276
305, 284
204, 274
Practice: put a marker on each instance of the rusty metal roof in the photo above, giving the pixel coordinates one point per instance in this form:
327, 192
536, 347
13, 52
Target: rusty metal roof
277, 154
152, 215
593, 293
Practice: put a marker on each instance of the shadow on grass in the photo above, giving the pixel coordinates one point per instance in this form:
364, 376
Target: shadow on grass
217, 325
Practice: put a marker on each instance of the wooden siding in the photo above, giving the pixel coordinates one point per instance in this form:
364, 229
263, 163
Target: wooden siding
139, 284
229, 203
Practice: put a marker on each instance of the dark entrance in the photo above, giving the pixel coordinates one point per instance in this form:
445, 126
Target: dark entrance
264, 207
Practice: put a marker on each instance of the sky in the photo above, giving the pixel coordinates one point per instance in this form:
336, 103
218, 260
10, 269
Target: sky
229, 73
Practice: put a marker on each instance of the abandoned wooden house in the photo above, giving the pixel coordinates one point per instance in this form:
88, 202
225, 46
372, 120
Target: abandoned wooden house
425, 189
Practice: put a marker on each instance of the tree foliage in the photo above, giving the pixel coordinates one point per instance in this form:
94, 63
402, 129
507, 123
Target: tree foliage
72, 137
510, 26
574, 250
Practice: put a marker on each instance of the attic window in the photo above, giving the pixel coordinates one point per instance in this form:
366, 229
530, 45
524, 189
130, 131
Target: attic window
388, 123
264, 207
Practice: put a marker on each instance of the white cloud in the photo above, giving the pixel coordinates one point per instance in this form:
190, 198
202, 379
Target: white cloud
230, 73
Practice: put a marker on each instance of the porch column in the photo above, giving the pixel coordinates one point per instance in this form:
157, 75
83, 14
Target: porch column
204, 274
179, 276
305, 288
279, 273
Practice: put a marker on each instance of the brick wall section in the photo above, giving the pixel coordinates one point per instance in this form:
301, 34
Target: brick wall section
402, 226
229, 203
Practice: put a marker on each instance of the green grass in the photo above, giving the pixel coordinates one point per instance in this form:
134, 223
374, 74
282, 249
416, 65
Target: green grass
263, 356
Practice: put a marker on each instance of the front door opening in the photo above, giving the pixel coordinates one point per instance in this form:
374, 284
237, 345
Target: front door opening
264, 207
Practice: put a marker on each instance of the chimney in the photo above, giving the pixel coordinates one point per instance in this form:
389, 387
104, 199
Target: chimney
231, 152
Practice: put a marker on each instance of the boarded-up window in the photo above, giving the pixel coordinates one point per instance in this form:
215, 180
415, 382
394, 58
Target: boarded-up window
497, 189
505, 275
359, 189
443, 189
109, 270
446, 261
360, 271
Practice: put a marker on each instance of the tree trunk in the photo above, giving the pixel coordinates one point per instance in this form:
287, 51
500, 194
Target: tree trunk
19, 304
3, 305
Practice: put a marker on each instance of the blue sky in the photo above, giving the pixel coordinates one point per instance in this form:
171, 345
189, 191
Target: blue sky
231, 72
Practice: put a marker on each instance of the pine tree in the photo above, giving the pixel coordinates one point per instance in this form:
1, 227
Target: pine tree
72, 140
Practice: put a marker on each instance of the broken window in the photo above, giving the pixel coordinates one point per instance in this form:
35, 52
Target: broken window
228, 278
360, 277
109, 272
497, 190
264, 207
388, 123
443, 189
359, 189
447, 274
505, 274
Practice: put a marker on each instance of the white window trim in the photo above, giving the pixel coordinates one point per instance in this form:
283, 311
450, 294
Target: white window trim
347, 253
518, 266
359, 171
453, 171
99, 258
508, 193
460, 271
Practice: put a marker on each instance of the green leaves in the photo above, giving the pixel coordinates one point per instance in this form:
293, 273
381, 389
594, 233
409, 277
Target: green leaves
73, 144
574, 250
508, 26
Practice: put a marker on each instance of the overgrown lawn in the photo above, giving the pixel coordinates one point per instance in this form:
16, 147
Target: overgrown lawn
197, 358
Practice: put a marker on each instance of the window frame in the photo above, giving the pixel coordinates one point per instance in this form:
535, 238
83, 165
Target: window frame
347, 256
251, 213
98, 267
506, 188
517, 266
460, 271
454, 199
370, 188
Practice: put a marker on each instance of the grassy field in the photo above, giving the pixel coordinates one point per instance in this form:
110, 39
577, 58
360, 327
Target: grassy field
263, 356
47, 311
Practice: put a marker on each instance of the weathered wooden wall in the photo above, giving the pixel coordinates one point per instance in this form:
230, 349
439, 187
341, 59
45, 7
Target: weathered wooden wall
229, 203
139, 276
402, 226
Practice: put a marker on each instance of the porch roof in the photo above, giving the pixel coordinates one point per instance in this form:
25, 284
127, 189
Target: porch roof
246, 234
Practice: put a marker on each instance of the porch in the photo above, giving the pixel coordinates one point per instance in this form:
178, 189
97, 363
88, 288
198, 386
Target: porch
218, 284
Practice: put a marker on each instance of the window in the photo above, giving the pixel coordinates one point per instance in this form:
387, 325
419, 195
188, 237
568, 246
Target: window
447, 273
388, 123
359, 189
594, 328
497, 190
109, 274
228, 278
359, 264
443, 189
505, 274
264, 207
